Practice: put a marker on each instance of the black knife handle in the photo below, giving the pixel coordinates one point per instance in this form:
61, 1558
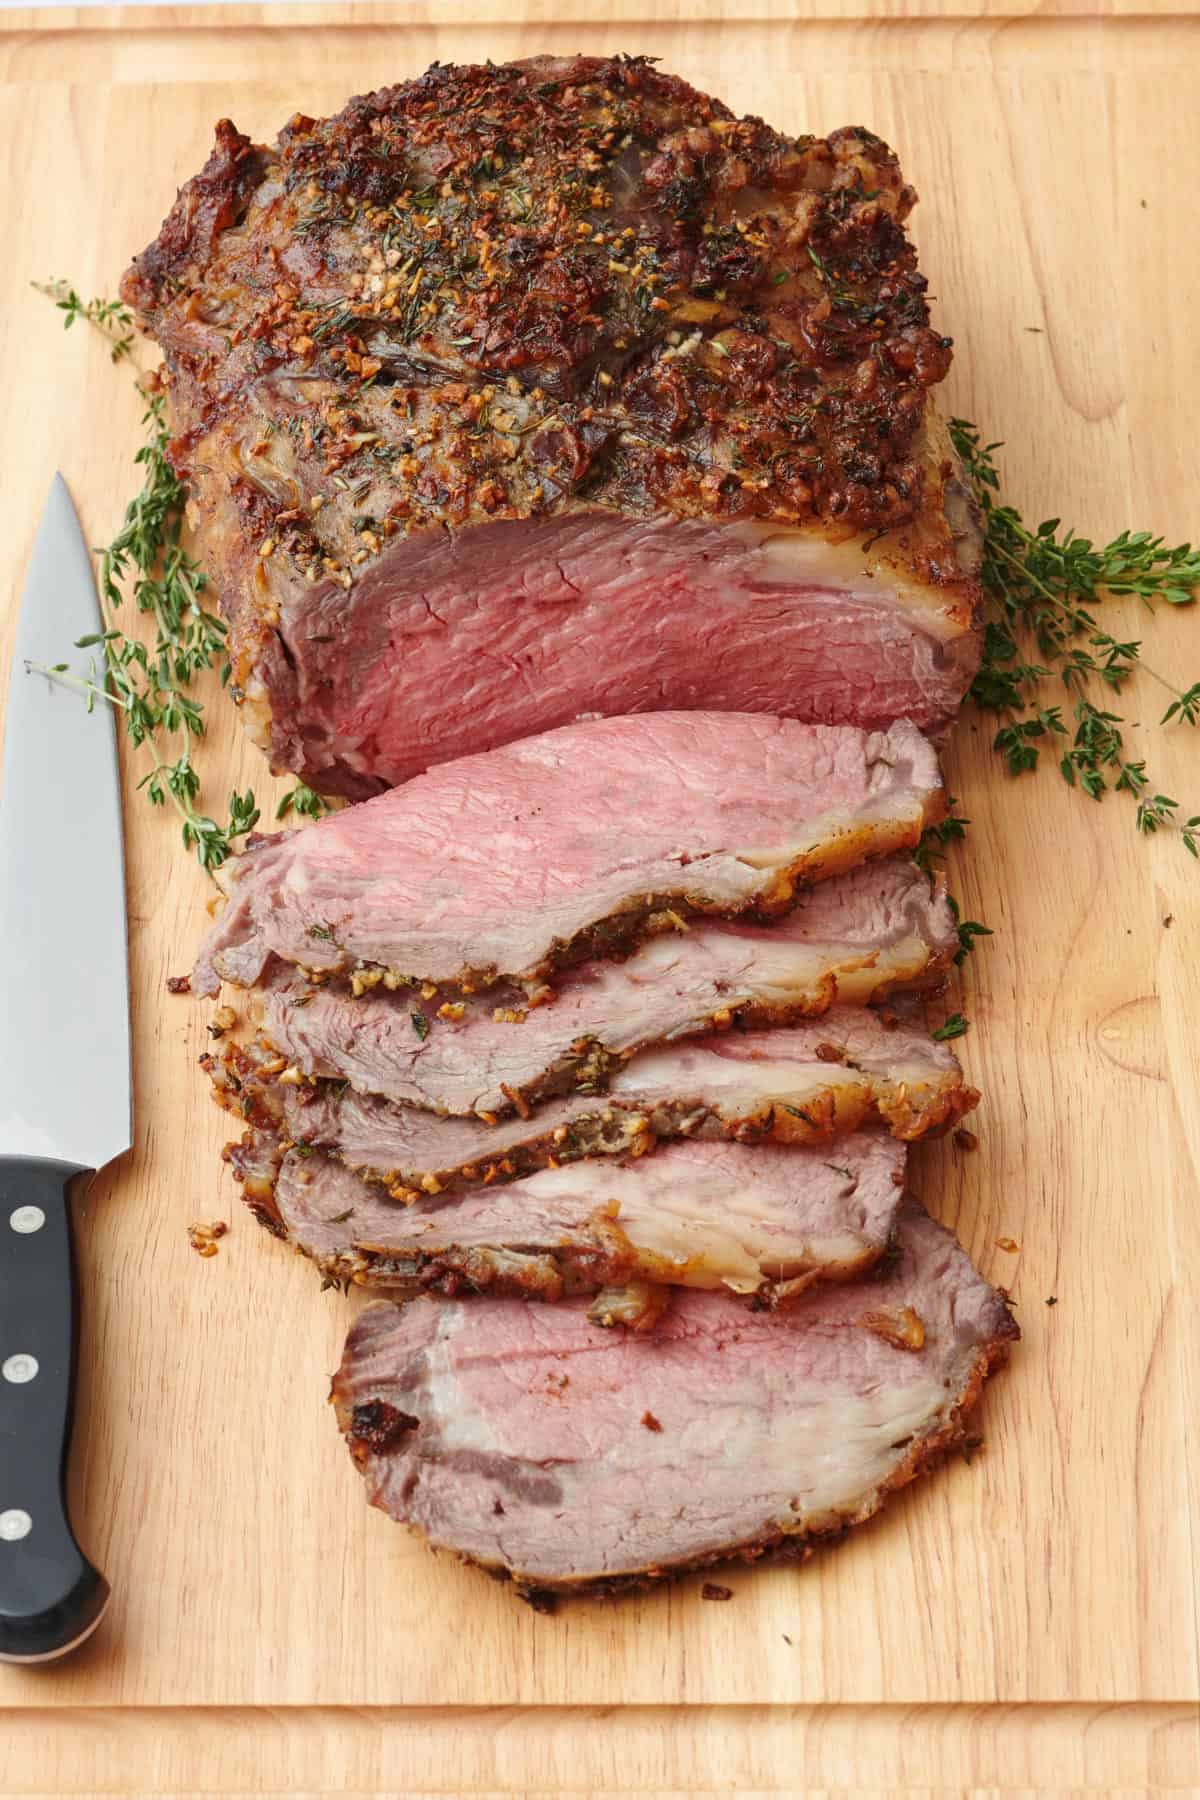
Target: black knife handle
51, 1597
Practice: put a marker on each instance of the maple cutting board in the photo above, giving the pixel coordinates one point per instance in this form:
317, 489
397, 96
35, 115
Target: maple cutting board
1027, 1619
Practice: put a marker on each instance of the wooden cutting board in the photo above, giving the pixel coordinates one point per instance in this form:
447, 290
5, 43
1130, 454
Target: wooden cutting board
1027, 1620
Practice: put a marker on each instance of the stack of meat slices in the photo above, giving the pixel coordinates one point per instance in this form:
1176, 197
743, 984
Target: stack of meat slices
601, 1052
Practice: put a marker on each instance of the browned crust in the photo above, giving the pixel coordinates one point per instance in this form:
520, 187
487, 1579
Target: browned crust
588, 1062
788, 255
587, 1059
775, 1546
521, 1273
255, 1165
218, 197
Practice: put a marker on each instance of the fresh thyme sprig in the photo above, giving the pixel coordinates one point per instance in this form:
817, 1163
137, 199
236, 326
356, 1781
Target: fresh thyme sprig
968, 931
177, 780
934, 839
151, 683
1043, 587
108, 316
932, 850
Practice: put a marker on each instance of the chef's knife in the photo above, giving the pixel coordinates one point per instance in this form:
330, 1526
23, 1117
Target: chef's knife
64, 1073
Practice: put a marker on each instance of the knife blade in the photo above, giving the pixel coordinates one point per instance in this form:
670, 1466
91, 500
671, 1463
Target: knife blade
65, 1099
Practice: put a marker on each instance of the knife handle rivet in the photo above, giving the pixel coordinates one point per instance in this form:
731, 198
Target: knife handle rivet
14, 1524
27, 1218
21, 1367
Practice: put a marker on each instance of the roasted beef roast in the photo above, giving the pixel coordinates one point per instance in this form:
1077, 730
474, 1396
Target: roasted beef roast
763, 1221
570, 1457
571, 844
514, 394
564, 453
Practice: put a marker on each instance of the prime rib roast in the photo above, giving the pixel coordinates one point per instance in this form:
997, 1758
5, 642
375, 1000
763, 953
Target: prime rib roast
764, 1222
569, 1457
582, 839
520, 393
564, 453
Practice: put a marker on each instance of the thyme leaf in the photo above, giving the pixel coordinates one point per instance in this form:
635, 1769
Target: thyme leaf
934, 839
968, 931
302, 800
1186, 708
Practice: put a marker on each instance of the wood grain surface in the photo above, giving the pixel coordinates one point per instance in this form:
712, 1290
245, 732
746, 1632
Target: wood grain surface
646, 1752
1029, 1620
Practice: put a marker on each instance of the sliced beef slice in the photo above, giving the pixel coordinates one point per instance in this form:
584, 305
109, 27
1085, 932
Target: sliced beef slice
573, 843
516, 1436
803, 1084
860, 937
762, 1221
